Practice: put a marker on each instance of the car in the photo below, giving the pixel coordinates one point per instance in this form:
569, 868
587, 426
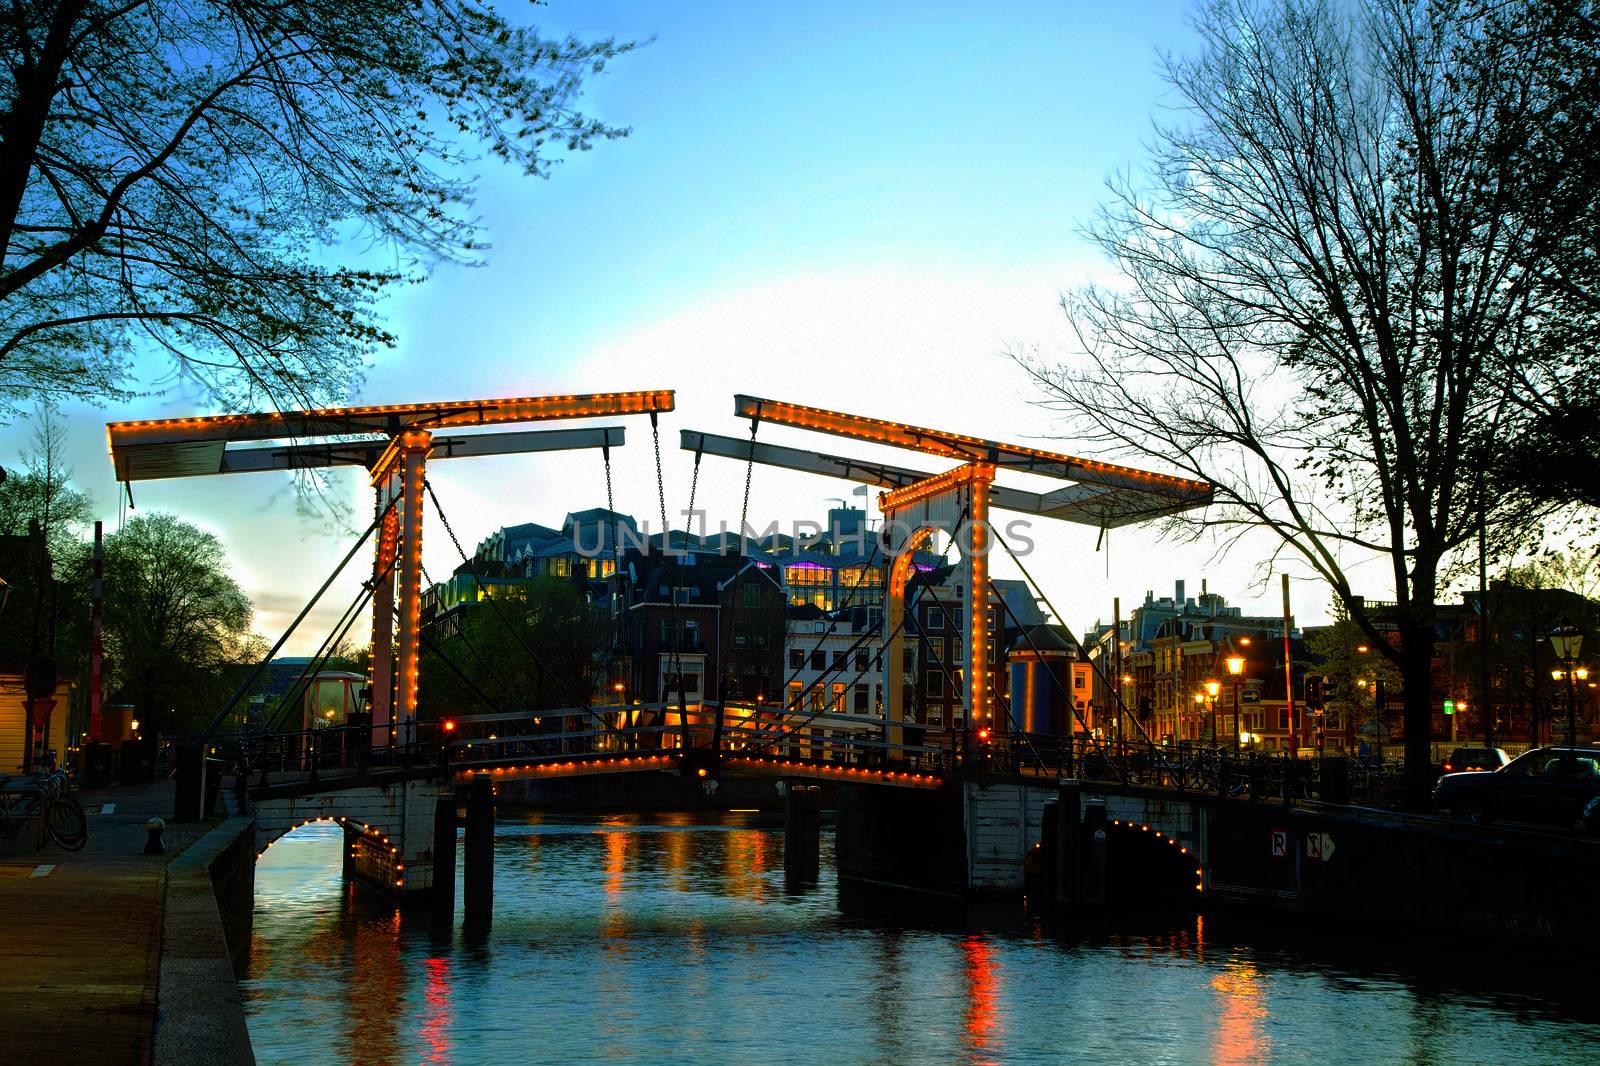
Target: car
1551, 786
1464, 759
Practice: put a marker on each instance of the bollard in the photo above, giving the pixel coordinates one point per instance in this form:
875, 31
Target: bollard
153, 845
444, 859
477, 867
1049, 844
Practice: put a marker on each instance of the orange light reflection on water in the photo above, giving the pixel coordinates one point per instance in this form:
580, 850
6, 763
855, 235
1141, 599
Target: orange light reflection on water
983, 993
1241, 1011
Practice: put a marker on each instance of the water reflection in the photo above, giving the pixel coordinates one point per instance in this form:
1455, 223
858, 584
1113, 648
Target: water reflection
983, 999
660, 939
1240, 1012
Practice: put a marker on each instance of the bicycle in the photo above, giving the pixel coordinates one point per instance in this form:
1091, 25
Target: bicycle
43, 796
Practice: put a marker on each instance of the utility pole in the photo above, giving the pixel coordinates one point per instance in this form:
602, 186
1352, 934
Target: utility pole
1288, 666
1485, 700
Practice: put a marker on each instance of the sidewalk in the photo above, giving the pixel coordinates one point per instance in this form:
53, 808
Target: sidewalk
80, 934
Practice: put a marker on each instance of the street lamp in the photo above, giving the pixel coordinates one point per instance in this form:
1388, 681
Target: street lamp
1236, 670
1567, 643
1212, 688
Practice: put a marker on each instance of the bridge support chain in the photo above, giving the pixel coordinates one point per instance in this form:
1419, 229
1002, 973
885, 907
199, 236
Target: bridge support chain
477, 882
443, 901
802, 830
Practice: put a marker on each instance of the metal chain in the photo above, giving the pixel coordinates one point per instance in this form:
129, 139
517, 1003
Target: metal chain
749, 468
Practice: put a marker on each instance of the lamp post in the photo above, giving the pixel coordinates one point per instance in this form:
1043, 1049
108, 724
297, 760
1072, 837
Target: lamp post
1567, 643
1236, 671
1213, 687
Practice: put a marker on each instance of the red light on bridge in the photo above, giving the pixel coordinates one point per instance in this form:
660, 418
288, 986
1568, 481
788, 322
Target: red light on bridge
449, 725
983, 735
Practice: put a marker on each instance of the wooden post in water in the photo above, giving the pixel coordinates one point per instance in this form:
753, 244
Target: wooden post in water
477, 870
802, 828
1068, 850
444, 859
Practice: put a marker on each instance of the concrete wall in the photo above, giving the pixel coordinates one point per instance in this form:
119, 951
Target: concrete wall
205, 930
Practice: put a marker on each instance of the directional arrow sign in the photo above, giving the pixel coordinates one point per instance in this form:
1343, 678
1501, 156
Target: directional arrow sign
1319, 846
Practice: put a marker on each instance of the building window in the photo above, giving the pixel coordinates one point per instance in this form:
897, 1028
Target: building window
795, 688
1077, 679
935, 619
839, 659
861, 662
837, 703
750, 596
797, 659
741, 634
863, 695
819, 660
935, 684
759, 634
808, 575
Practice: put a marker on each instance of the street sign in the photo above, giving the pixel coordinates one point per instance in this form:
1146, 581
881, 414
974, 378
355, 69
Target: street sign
1280, 843
1319, 846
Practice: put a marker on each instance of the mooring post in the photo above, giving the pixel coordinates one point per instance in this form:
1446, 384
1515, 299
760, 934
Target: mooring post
802, 827
1067, 869
444, 858
477, 871
1093, 866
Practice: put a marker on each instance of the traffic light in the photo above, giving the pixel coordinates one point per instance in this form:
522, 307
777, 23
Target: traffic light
983, 735
1315, 692
449, 726
1449, 706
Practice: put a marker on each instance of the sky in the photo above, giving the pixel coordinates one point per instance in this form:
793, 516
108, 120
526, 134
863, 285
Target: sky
856, 206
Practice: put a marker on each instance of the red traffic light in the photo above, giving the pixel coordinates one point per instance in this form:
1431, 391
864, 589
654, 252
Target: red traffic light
983, 734
449, 725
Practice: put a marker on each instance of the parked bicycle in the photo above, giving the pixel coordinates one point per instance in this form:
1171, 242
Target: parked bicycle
42, 796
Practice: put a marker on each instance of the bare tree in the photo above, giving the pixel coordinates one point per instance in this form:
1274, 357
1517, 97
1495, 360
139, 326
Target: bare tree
188, 178
1325, 299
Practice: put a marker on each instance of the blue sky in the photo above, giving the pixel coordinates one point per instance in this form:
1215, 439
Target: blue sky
858, 206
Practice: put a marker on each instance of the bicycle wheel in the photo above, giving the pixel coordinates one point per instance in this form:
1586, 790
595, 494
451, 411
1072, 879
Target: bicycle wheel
67, 825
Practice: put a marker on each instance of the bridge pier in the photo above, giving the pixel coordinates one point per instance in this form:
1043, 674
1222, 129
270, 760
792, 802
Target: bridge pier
444, 860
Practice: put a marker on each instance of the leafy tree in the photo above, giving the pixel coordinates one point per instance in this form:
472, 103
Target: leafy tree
1326, 296
175, 621
42, 492
1355, 669
174, 173
548, 615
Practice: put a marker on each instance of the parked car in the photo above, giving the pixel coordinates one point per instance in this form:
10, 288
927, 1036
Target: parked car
1463, 759
1553, 786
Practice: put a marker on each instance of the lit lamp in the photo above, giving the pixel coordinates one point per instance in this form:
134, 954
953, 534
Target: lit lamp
1567, 642
1236, 671
1212, 688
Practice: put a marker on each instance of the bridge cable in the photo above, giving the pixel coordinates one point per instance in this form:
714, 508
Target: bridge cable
317, 662
477, 657
580, 704
255, 675
1116, 689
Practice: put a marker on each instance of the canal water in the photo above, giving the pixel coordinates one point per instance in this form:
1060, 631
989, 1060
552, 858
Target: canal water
677, 939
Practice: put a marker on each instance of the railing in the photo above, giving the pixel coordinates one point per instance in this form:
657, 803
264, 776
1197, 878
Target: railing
534, 737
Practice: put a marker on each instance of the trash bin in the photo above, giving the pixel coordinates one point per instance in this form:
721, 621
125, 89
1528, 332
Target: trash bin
96, 769
213, 786
1333, 773
136, 762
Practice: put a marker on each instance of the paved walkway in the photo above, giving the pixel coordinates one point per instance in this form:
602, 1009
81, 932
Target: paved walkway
80, 934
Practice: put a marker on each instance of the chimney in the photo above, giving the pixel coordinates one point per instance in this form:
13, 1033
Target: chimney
1179, 595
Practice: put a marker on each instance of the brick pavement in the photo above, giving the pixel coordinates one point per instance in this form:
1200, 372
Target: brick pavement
80, 934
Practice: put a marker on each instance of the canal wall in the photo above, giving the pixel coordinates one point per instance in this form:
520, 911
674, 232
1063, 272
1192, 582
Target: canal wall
1319, 862
205, 931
